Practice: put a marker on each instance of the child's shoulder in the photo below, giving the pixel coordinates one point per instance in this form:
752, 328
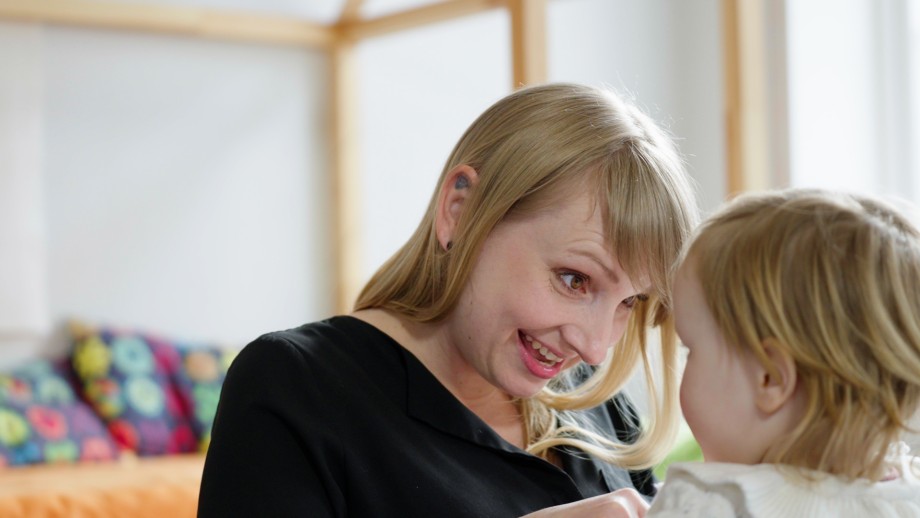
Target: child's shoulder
719, 489
718, 474
905, 463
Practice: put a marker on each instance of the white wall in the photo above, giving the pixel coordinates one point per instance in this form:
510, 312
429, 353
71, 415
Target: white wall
23, 302
666, 54
419, 90
913, 79
825, 111
854, 124
185, 183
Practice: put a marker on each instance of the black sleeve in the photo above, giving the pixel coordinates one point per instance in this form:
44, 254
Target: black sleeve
626, 425
270, 452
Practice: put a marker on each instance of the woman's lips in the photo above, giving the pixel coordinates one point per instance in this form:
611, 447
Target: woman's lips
539, 360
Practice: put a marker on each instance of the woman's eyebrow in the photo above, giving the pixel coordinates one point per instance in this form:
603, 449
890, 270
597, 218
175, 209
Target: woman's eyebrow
592, 257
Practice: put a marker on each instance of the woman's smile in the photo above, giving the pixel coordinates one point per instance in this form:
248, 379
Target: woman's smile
538, 359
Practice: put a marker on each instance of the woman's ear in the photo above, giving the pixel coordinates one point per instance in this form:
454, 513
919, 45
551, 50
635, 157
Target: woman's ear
776, 385
458, 183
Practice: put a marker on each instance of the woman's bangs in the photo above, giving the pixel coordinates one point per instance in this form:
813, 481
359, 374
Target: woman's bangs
643, 227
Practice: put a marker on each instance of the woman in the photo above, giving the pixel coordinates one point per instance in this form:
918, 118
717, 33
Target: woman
477, 374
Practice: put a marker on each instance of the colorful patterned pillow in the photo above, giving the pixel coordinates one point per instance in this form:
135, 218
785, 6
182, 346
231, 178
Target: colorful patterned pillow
42, 420
199, 379
126, 376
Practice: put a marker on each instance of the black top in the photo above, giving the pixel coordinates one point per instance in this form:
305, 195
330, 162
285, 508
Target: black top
337, 419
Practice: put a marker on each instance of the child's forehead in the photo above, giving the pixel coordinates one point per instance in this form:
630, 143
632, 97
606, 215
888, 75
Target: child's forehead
688, 296
686, 269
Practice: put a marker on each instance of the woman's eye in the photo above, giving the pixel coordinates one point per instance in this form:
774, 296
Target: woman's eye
573, 281
630, 302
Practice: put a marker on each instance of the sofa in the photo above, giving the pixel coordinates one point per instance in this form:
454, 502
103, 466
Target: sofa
118, 426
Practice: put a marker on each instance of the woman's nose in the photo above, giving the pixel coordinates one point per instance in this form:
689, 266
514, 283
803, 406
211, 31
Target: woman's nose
594, 334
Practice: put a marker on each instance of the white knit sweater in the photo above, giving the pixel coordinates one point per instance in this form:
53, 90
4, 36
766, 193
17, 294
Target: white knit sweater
733, 490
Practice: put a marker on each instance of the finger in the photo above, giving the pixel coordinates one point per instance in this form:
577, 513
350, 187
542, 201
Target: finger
631, 502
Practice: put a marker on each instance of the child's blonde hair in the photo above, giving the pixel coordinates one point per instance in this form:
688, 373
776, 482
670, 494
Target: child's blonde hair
835, 280
531, 149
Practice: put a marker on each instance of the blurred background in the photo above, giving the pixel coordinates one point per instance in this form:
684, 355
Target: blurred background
161, 173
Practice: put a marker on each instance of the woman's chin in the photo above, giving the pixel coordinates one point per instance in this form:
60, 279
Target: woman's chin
525, 390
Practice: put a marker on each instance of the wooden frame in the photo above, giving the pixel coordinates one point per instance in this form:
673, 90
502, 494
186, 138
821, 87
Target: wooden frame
346, 177
528, 41
207, 23
756, 105
528, 19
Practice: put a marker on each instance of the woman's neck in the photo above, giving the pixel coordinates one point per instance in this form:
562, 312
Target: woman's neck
427, 343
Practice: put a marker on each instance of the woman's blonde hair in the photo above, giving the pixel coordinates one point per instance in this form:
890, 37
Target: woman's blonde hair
835, 280
529, 150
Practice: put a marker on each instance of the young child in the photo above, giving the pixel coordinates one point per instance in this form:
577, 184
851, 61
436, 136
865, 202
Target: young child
801, 313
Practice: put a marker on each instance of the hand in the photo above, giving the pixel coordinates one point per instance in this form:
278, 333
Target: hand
622, 503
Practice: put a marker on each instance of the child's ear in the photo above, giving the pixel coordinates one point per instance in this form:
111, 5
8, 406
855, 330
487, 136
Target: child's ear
452, 197
776, 385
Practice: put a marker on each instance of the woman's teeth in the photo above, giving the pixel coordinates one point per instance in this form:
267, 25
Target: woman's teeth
550, 358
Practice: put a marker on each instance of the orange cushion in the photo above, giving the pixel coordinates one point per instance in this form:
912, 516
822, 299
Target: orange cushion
145, 487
